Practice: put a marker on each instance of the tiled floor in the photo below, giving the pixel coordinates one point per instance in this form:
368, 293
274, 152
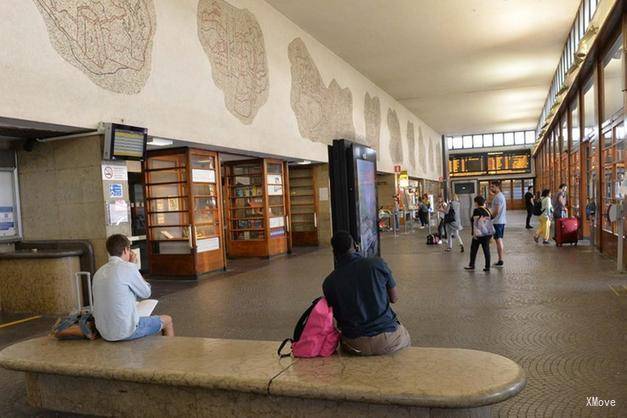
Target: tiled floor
551, 309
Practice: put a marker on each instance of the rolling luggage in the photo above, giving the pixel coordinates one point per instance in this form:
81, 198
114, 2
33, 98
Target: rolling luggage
566, 231
80, 323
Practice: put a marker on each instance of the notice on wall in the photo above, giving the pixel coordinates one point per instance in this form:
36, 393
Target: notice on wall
7, 221
323, 194
118, 212
274, 190
210, 244
116, 190
113, 172
277, 222
274, 179
203, 176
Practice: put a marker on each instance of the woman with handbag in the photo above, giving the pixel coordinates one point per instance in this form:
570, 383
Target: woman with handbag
482, 231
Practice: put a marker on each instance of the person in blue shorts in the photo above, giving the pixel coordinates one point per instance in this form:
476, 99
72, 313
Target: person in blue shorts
499, 219
117, 286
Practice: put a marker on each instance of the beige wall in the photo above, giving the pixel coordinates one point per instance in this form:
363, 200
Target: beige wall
180, 99
61, 192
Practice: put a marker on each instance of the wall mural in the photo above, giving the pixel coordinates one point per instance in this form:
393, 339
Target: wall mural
411, 144
323, 113
422, 151
372, 115
108, 40
233, 42
396, 146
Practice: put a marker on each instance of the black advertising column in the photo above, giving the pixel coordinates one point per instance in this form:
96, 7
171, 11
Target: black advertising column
354, 204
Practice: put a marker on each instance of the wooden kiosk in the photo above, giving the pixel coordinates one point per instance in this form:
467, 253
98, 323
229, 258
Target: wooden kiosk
183, 207
257, 208
303, 206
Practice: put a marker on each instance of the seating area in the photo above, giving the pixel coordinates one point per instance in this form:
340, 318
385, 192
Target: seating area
186, 376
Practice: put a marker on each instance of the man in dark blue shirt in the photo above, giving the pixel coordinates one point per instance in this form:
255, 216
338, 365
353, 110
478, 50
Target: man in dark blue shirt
360, 291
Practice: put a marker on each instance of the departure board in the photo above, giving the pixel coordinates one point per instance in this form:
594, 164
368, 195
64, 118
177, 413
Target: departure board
506, 162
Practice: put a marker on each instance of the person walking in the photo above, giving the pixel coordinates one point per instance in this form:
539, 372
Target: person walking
544, 229
453, 223
529, 202
423, 211
482, 230
499, 218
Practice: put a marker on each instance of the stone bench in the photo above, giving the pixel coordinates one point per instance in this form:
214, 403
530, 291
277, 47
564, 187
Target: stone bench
184, 376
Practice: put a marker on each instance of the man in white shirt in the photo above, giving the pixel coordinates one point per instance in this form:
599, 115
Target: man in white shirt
117, 286
499, 218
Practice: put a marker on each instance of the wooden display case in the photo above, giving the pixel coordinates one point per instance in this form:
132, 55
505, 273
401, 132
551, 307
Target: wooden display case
256, 208
303, 206
183, 208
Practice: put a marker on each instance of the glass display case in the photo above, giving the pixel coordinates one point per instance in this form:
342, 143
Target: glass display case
256, 208
183, 208
303, 206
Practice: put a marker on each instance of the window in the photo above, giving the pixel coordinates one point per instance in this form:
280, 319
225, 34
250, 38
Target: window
449, 142
477, 141
467, 141
613, 84
530, 137
498, 140
457, 142
519, 138
508, 138
487, 140
589, 108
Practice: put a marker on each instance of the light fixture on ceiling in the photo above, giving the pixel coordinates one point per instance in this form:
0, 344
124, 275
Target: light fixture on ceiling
304, 162
160, 142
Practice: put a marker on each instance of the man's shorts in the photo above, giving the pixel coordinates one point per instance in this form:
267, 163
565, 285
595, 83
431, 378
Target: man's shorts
148, 325
499, 231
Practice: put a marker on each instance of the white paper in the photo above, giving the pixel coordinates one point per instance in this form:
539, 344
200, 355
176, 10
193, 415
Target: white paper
145, 307
118, 212
138, 258
114, 172
323, 194
277, 222
274, 179
241, 180
210, 244
275, 190
203, 176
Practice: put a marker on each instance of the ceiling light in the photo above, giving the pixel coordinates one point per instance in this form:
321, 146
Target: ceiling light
304, 162
160, 142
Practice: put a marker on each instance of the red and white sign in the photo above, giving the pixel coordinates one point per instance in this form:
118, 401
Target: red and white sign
397, 168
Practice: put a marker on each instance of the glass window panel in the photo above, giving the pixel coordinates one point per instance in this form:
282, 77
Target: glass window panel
564, 133
590, 111
530, 137
519, 138
487, 140
449, 142
613, 81
457, 142
274, 168
518, 189
498, 140
477, 141
467, 141
508, 138
203, 162
574, 117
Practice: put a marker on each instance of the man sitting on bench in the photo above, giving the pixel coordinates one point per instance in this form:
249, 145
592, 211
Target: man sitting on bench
117, 285
360, 291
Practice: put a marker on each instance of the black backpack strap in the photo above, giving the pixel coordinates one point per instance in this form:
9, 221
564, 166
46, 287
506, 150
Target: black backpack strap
283, 344
300, 325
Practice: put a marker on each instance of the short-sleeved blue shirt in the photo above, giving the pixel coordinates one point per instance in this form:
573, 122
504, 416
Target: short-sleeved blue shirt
357, 290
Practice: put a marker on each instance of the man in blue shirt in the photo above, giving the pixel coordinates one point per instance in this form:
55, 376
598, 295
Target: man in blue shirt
499, 218
360, 291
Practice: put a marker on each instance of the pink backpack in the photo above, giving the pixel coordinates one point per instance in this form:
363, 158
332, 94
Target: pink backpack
315, 334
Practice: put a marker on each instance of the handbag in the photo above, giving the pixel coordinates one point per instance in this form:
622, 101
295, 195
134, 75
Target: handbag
79, 324
483, 226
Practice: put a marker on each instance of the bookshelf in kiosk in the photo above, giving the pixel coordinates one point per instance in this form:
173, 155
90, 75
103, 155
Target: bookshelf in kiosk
256, 208
303, 205
183, 207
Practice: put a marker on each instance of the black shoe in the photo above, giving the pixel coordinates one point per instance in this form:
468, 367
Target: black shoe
499, 264
462, 249
529, 227
487, 269
469, 268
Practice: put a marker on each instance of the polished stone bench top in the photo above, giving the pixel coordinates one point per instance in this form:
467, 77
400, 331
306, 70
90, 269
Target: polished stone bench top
47, 253
427, 377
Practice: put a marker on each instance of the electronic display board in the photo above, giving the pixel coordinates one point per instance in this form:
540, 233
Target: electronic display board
123, 142
492, 163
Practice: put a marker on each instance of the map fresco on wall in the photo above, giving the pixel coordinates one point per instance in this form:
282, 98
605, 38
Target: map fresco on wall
108, 40
372, 115
396, 146
233, 42
411, 144
322, 113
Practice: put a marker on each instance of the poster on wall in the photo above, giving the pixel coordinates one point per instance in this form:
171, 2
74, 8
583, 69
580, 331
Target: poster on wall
114, 172
277, 222
116, 190
274, 190
274, 179
118, 212
7, 221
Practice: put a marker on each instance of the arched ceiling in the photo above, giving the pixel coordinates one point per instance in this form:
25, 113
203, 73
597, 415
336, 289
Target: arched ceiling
463, 66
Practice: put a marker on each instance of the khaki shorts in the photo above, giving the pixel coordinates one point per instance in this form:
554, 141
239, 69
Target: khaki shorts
384, 343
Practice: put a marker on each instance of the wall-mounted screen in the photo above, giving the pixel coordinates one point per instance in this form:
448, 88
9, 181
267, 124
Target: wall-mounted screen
123, 142
494, 163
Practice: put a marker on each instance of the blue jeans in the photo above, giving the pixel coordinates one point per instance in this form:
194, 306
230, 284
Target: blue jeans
148, 325
499, 231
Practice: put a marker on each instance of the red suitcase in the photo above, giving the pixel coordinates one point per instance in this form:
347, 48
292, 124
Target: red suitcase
566, 231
